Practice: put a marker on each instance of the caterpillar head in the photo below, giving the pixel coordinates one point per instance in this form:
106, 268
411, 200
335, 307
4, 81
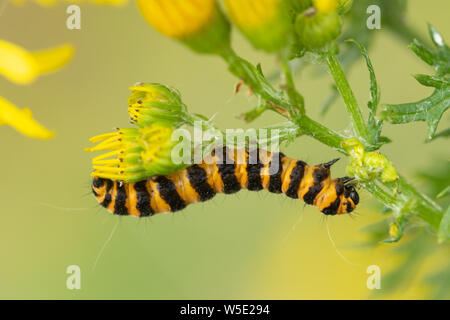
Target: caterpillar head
349, 199
341, 199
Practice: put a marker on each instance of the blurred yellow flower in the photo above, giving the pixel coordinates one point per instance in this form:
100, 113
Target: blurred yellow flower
178, 18
49, 3
326, 6
264, 22
23, 67
251, 13
22, 121
200, 24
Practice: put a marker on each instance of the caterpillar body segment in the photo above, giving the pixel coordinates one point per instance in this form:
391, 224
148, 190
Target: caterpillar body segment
228, 172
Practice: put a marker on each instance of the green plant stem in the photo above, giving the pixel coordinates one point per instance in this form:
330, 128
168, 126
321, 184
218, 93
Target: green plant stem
320, 133
253, 78
382, 195
408, 200
349, 97
295, 97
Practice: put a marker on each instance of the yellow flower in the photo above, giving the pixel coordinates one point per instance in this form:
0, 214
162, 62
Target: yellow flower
49, 3
178, 18
134, 154
368, 165
23, 67
22, 121
264, 22
199, 23
155, 103
252, 13
326, 6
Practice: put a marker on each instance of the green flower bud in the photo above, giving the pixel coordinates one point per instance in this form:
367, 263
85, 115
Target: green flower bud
316, 30
389, 173
368, 165
355, 149
152, 103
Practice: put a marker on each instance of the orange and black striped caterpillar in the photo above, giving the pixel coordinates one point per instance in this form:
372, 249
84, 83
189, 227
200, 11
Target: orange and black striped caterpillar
198, 183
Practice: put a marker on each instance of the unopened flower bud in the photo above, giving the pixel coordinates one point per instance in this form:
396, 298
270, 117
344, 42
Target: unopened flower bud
264, 23
152, 103
315, 29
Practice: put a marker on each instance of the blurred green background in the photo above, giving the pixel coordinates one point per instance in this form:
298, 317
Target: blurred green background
245, 246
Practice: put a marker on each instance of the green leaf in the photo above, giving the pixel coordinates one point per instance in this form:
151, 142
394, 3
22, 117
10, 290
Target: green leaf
374, 125
422, 52
429, 110
430, 81
440, 59
442, 134
444, 227
432, 108
374, 88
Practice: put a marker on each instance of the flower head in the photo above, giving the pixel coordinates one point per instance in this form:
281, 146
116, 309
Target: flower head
22, 121
317, 27
134, 154
200, 24
264, 22
23, 67
155, 103
50, 3
368, 165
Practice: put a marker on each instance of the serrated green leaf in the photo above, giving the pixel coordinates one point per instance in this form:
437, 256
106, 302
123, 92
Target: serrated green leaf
436, 37
423, 53
444, 227
442, 56
429, 110
374, 125
442, 134
384, 140
430, 81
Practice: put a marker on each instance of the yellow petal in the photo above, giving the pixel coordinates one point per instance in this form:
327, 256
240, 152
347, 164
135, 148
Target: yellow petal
53, 59
22, 121
252, 13
178, 18
326, 6
17, 64
47, 3
50, 3
110, 2
23, 67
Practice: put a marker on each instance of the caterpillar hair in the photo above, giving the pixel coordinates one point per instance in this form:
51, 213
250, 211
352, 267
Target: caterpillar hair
222, 173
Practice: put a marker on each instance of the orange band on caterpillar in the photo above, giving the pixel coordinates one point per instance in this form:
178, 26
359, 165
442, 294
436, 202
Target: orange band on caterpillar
198, 183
